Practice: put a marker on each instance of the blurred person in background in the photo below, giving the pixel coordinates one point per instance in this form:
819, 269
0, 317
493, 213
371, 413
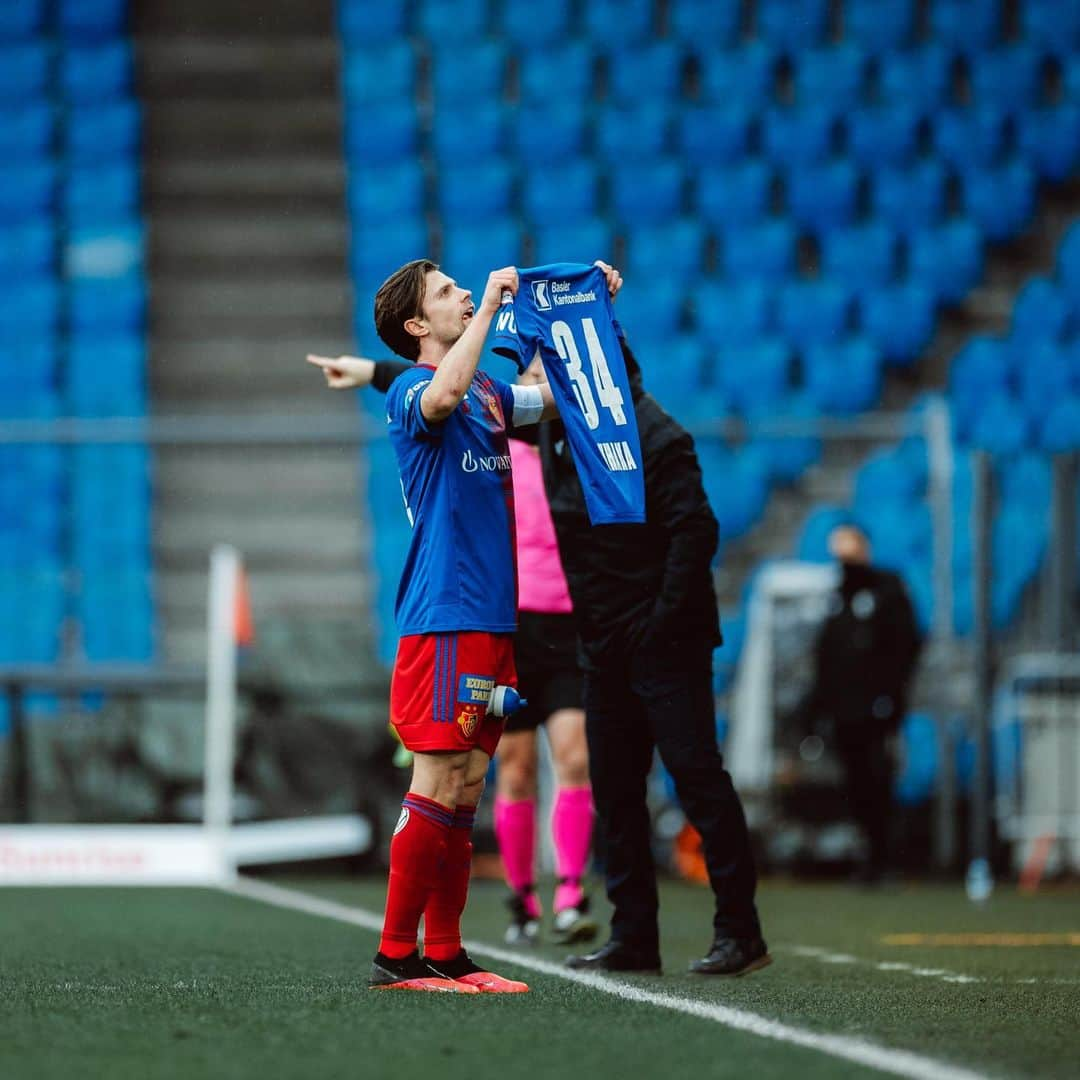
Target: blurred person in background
550, 680
864, 658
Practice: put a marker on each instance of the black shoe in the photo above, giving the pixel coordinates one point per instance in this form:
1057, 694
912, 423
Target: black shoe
523, 928
733, 956
617, 956
412, 973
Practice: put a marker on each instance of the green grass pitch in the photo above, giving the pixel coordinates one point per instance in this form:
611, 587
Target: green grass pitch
156, 983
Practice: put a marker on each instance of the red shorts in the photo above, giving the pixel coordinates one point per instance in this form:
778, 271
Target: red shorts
440, 689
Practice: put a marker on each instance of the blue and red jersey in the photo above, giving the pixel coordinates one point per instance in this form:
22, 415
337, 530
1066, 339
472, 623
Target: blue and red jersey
456, 480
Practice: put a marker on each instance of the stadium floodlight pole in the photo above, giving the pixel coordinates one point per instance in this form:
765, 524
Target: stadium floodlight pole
980, 882
1061, 564
937, 429
221, 688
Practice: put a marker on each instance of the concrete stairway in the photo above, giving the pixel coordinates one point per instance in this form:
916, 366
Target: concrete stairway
244, 192
985, 311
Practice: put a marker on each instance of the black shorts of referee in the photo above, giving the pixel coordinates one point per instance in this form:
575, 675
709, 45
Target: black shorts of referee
549, 676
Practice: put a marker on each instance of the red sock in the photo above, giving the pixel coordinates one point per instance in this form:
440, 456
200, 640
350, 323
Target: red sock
442, 916
417, 852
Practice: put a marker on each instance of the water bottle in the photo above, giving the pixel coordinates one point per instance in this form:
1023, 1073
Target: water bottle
505, 701
979, 882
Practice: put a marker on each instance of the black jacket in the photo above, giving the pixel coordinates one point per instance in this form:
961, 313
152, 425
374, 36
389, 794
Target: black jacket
638, 586
633, 586
864, 658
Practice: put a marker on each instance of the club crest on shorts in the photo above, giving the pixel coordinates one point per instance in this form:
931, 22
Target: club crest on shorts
473, 695
402, 821
468, 720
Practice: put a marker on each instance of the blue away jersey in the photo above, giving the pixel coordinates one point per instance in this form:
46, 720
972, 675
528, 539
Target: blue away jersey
564, 311
455, 476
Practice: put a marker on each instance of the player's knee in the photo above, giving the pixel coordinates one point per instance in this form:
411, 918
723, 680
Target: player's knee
573, 770
515, 780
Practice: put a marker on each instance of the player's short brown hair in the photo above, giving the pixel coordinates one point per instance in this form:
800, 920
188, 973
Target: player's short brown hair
399, 299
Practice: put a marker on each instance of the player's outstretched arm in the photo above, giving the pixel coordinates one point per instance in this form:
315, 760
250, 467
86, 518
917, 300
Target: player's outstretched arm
457, 368
344, 372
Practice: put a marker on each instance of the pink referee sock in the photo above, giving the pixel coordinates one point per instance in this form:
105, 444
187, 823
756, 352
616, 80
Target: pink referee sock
515, 830
571, 830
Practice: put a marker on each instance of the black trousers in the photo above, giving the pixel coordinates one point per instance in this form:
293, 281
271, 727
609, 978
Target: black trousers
869, 773
664, 702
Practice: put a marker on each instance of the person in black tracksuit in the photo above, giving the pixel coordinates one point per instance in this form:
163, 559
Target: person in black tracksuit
864, 658
647, 623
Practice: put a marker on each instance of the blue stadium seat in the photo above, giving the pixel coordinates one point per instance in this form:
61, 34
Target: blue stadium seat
792, 25
455, 21
115, 608
565, 129
648, 191
651, 312
380, 247
735, 195
383, 73
26, 131
101, 193
813, 542
571, 66
879, 27
813, 312
618, 22
896, 475
912, 198
1050, 139
378, 135
1009, 78
947, 259
1060, 430
999, 425
799, 135
111, 250
89, 19
566, 194
738, 490
361, 23
969, 26
862, 255
28, 247
1051, 25
823, 197
1043, 372
715, 134
979, 370
96, 305
845, 377
471, 252
107, 377
583, 241
966, 137
881, 135
763, 252
24, 71
919, 79
1025, 482
29, 306
899, 319
97, 72
101, 132
674, 249
632, 134
1001, 199
1068, 261
35, 611
383, 194
733, 312
21, 18
658, 65
683, 374
755, 374
530, 25
463, 135
833, 76
786, 456
468, 75
899, 534
478, 191
744, 76
714, 22
1042, 312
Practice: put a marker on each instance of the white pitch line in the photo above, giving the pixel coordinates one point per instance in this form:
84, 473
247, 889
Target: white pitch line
813, 952
884, 1059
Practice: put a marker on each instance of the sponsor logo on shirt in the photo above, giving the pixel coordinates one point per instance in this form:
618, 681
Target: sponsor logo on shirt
540, 295
471, 463
553, 294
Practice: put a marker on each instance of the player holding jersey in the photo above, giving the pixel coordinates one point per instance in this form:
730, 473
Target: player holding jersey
456, 606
